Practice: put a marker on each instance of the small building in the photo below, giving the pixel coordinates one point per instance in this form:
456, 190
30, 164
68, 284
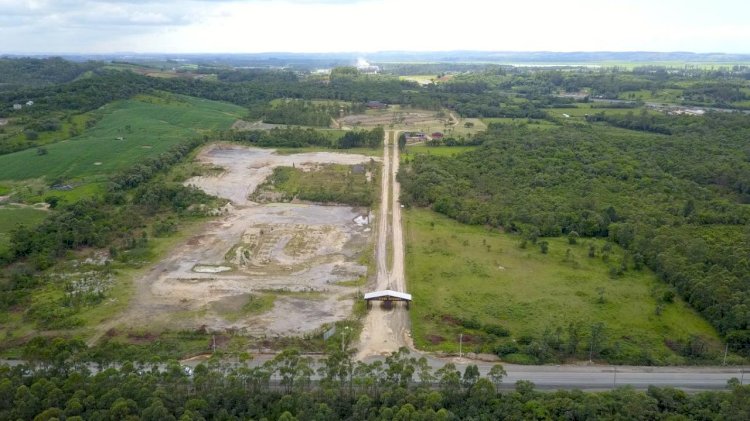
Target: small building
29, 103
17, 106
437, 135
377, 105
387, 296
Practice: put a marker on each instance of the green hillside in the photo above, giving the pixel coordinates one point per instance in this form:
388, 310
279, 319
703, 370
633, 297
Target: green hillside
127, 132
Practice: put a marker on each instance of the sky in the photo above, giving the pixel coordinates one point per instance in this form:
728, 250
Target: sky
251, 26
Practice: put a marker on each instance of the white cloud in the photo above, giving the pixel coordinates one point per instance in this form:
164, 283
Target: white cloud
369, 25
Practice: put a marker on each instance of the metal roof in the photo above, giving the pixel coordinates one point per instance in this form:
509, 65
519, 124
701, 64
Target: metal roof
387, 293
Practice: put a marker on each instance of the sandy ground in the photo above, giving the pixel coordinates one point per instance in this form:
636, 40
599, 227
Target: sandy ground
246, 168
386, 329
297, 252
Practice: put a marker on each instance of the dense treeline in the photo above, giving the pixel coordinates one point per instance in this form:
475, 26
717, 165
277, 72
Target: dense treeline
304, 113
301, 113
15, 73
673, 202
297, 137
645, 121
401, 387
108, 85
79, 96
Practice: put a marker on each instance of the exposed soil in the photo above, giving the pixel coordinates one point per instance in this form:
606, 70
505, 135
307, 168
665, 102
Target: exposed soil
386, 328
300, 251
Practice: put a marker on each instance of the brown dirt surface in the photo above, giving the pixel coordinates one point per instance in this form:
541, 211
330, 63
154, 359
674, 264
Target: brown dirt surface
299, 253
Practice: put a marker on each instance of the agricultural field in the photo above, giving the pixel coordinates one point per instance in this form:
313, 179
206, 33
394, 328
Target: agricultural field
504, 297
127, 132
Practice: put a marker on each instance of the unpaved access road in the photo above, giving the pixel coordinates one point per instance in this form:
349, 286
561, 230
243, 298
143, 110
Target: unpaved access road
295, 252
386, 329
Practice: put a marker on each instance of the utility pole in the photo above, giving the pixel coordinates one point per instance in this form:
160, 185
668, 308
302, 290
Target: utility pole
726, 350
460, 344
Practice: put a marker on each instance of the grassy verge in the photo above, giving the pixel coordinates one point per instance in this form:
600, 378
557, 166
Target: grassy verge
529, 306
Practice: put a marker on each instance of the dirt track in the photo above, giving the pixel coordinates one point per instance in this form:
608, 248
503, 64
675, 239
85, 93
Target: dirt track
296, 252
387, 329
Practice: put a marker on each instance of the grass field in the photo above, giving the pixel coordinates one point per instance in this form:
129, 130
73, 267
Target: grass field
358, 151
421, 79
328, 183
11, 217
435, 150
458, 272
147, 126
527, 122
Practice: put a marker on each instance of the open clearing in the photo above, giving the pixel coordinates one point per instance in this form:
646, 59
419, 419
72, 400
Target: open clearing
267, 270
459, 272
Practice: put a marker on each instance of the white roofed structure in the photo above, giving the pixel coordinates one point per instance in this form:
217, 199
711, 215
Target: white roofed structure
387, 295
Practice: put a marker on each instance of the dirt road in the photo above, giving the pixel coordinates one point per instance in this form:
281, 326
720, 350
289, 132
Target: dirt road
385, 330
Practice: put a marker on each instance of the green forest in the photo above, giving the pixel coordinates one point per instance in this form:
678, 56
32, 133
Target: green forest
290, 386
675, 203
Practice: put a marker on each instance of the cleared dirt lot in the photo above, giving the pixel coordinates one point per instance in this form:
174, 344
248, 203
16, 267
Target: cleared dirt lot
297, 253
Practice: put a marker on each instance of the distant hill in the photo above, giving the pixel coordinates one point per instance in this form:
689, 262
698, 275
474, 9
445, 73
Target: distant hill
26, 71
41, 67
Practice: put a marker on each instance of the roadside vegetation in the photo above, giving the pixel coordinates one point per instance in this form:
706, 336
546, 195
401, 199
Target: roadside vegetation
291, 386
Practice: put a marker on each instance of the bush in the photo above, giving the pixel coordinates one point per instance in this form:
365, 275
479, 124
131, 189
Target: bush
505, 349
471, 323
496, 330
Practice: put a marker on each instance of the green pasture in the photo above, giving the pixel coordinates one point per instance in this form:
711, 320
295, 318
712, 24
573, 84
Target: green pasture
128, 132
435, 150
459, 272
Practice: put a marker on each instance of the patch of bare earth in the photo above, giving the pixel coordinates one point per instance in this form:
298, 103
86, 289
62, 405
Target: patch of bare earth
297, 252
